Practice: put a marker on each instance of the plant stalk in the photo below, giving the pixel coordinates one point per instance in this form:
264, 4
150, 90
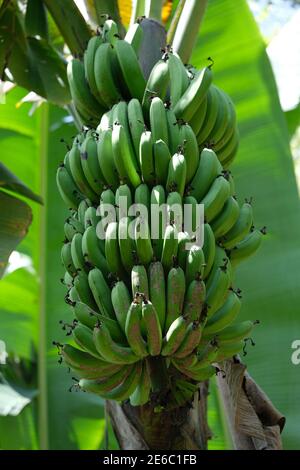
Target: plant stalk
153, 9
111, 8
188, 28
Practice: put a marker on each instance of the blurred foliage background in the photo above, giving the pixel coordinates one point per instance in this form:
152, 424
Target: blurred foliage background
36, 408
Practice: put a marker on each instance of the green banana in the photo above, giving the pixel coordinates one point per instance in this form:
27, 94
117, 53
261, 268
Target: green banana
77, 254
210, 117
162, 158
229, 350
194, 301
179, 81
191, 99
235, 332
130, 68
218, 289
142, 392
139, 281
157, 290
174, 208
190, 340
81, 285
89, 58
226, 219
247, 247
142, 196
198, 119
194, 264
90, 164
134, 37
106, 384
190, 150
136, 122
201, 375
83, 336
157, 84
146, 158
183, 240
101, 293
80, 90
126, 244
170, 246
157, 200
109, 349
173, 130
71, 228
78, 174
174, 336
123, 204
207, 171
224, 316
107, 197
209, 249
158, 120
177, 174
152, 327
124, 157
133, 329
240, 229
176, 284
110, 31
121, 300
85, 363
67, 260
82, 208
112, 250
104, 76
215, 198
120, 116
206, 355
143, 243
91, 249
91, 218
226, 153
68, 189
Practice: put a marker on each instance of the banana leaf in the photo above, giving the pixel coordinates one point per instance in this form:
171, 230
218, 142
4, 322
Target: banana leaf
263, 169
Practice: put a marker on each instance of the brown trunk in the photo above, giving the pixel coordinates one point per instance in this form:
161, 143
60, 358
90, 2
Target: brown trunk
254, 422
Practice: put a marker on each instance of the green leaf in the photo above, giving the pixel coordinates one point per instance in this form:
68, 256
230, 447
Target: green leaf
293, 119
15, 218
11, 182
36, 19
263, 169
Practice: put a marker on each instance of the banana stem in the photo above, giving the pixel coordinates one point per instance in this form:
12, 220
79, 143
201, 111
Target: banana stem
153, 9
158, 373
188, 28
70, 23
174, 22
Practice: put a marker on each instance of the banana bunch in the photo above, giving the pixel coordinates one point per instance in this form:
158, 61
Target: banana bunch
140, 299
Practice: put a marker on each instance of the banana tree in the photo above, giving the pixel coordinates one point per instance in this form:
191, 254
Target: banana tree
32, 54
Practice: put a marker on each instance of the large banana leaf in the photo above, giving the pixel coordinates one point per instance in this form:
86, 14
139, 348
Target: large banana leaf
263, 169
31, 301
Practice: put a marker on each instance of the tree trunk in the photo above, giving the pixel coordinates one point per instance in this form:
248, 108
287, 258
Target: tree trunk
254, 422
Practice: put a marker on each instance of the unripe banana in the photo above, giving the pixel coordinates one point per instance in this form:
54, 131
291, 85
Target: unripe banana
158, 120
126, 244
209, 249
226, 219
142, 392
142, 196
123, 204
207, 171
143, 243
105, 385
197, 120
130, 68
152, 327
121, 300
106, 162
246, 247
82, 208
173, 130
235, 332
175, 295
104, 77
191, 99
183, 240
112, 250
68, 189
91, 218
110, 31
77, 254
215, 198
224, 316
174, 207
228, 350
210, 117
91, 250
120, 116
179, 81
174, 336
158, 199
189, 144
240, 228
206, 355
124, 157
67, 260
194, 301
82, 287
194, 264
139, 281
146, 159
157, 84
170, 246
177, 174
110, 350
89, 58
218, 289
190, 340
133, 329
101, 293
90, 164
78, 174
84, 362
107, 197
136, 122
161, 158
157, 290
83, 336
